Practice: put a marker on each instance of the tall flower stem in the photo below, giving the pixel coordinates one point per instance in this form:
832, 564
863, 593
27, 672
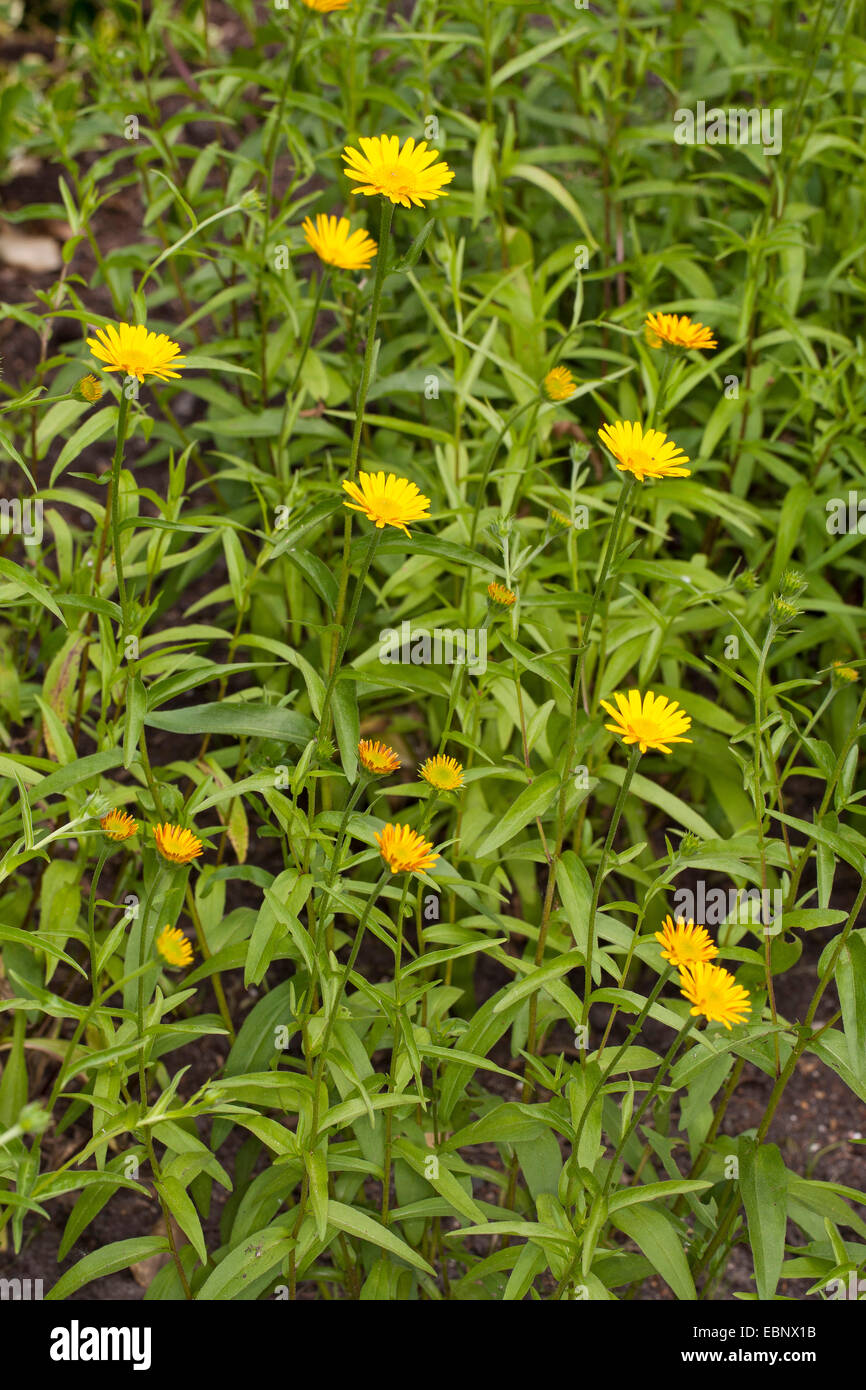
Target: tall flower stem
385, 218
633, 761
648, 1099
117, 464
342, 640
91, 910
289, 403
611, 548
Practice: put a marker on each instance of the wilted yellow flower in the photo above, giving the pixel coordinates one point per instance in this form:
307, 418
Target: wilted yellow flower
650, 455
714, 993
685, 943
405, 176
677, 332
136, 352
174, 947
559, 384
390, 501
377, 757
404, 850
89, 389
843, 674
443, 773
335, 244
119, 825
497, 593
176, 844
651, 721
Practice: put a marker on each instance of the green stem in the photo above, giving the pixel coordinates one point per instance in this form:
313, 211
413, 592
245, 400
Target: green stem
117, 464
633, 761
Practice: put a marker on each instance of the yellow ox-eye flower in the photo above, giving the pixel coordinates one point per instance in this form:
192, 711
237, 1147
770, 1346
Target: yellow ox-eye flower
443, 773
842, 674
377, 757
118, 825
176, 844
327, 6
335, 244
678, 332
174, 947
405, 176
404, 850
714, 993
390, 501
89, 388
497, 593
135, 351
653, 721
684, 943
559, 384
650, 455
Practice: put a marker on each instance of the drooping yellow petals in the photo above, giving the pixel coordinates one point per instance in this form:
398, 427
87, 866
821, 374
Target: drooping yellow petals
677, 332
174, 947
334, 243
559, 384
684, 943
714, 993
498, 594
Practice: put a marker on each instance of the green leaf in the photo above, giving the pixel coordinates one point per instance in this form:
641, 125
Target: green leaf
108, 1260
533, 801
358, 1223
764, 1188
657, 1237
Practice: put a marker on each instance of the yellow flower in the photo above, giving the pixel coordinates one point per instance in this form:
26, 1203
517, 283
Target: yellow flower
404, 850
684, 944
135, 351
445, 774
177, 844
497, 593
559, 384
377, 757
326, 6
119, 825
89, 389
406, 175
334, 244
677, 332
843, 674
653, 721
714, 993
650, 455
174, 947
390, 501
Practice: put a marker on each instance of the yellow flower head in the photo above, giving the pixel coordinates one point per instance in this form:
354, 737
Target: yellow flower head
559, 384
404, 850
174, 947
497, 593
445, 774
119, 825
326, 6
406, 176
176, 844
842, 674
390, 501
135, 351
377, 757
651, 721
650, 455
334, 244
684, 944
714, 993
89, 389
677, 332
